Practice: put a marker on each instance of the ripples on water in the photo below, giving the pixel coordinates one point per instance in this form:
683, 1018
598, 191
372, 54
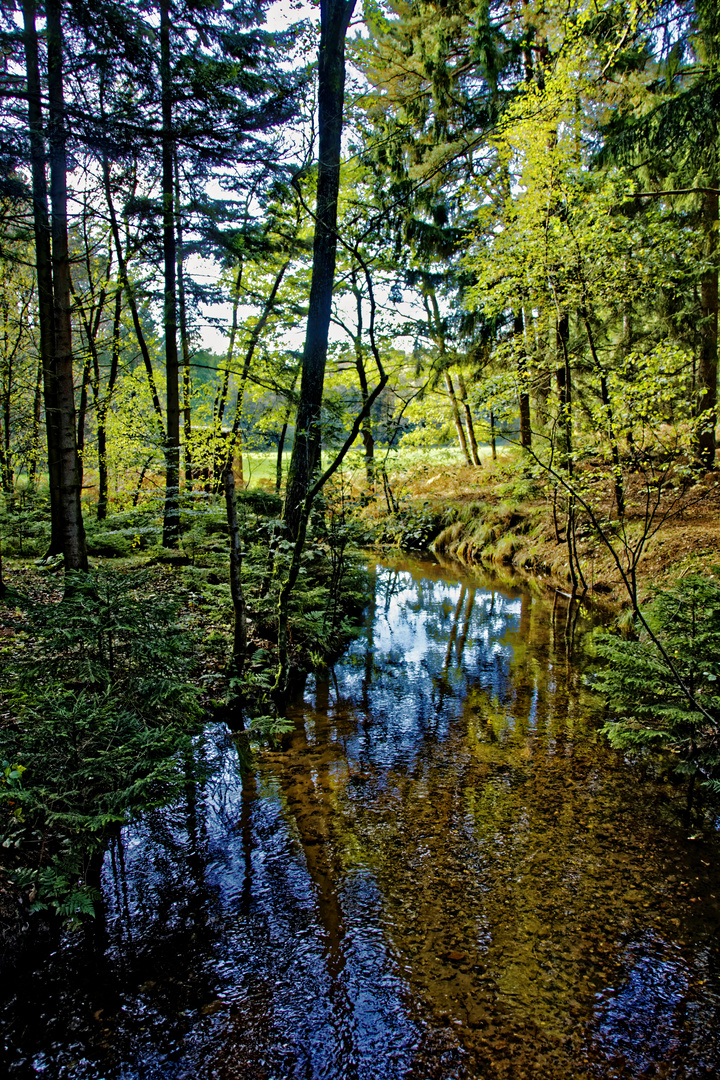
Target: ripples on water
446, 875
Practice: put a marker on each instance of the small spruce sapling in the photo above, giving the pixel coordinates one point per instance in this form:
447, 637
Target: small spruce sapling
650, 712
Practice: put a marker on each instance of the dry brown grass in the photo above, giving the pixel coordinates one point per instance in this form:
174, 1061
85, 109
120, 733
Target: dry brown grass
504, 518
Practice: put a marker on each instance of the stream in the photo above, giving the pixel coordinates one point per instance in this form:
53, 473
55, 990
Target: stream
446, 874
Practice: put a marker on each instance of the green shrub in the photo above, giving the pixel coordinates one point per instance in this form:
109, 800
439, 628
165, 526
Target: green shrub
651, 713
412, 529
25, 523
264, 503
103, 712
121, 535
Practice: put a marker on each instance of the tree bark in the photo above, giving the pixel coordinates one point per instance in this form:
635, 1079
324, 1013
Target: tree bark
90, 375
219, 405
221, 399
607, 406
184, 338
436, 328
449, 386
236, 590
132, 302
82, 409
283, 434
468, 420
707, 370
73, 532
524, 396
37, 413
43, 266
102, 405
368, 437
171, 519
255, 335
334, 20
564, 388
6, 479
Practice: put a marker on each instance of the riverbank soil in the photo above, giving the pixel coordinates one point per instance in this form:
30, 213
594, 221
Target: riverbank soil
501, 515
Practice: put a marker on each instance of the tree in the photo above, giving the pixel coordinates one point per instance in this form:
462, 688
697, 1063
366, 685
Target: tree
669, 136
43, 262
220, 96
171, 519
584, 255
56, 335
20, 378
335, 18
657, 709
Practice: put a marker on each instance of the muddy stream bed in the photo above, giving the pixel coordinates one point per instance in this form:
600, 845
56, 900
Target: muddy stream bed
446, 874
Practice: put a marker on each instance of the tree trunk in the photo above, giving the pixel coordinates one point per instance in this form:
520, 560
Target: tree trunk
524, 396
283, 434
236, 590
184, 339
707, 372
37, 413
82, 409
255, 335
468, 420
74, 551
334, 20
280, 452
436, 329
456, 416
132, 302
43, 264
5, 476
102, 406
564, 388
607, 406
6, 457
171, 519
221, 399
368, 437
90, 376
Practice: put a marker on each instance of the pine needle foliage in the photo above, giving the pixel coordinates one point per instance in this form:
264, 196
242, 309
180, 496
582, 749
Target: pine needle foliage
103, 712
651, 713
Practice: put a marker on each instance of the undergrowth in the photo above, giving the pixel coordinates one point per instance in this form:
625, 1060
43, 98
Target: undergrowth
101, 706
106, 688
657, 713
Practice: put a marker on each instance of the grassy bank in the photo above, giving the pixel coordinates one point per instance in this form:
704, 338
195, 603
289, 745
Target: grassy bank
503, 514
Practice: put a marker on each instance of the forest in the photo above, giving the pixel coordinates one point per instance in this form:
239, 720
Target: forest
282, 284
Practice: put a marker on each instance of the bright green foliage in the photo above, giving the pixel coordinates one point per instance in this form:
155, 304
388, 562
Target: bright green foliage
651, 712
563, 239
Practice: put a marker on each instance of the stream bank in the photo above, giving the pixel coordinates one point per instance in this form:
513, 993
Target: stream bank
498, 517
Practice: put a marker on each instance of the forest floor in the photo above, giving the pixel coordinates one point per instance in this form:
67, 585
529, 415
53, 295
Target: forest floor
498, 516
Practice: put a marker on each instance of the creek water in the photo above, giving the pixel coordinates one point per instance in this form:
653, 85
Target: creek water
446, 873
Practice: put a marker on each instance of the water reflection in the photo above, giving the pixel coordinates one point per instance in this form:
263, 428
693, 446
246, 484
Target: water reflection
446, 874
